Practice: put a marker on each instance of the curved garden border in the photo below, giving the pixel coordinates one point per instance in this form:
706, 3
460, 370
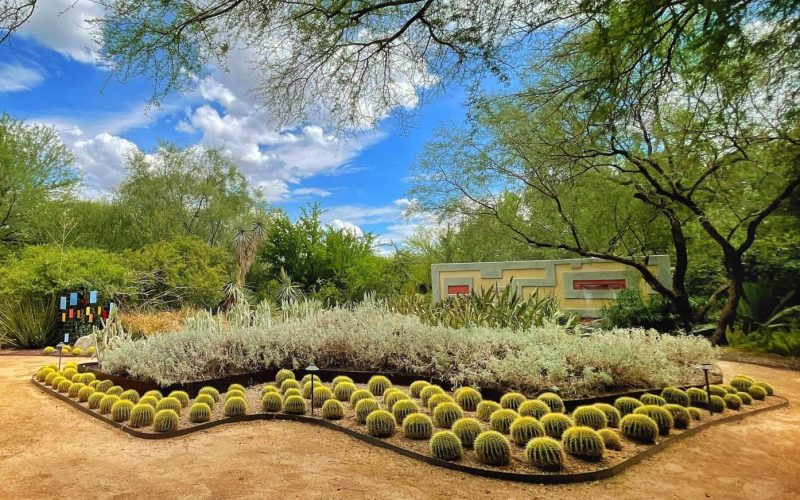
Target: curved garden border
476, 471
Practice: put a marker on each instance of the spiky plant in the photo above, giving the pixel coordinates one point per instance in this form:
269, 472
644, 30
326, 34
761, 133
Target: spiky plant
583, 442
155, 394
77, 352
467, 429
64, 386
49, 350
757, 392
70, 372
404, 408
553, 401
512, 400
94, 400
74, 389
307, 388
697, 396
652, 399
445, 414
661, 417
492, 448
57, 381
272, 402
717, 404
417, 386
50, 377
417, 426
467, 398
717, 390
378, 384
235, 393
89, 377
673, 395
339, 379
292, 392
380, 423
611, 439
359, 395
746, 377
269, 388
364, 408
235, 407
115, 391
681, 417
104, 385
501, 420
613, 415
486, 408
294, 405
741, 383
767, 387
729, 388
84, 393
209, 391
199, 412
445, 445
555, 424
545, 453
694, 412
236, 387
321, 394
589, 416
149, 400
169, 403
165, 421
130, 395
733, 401
91, 351
308, 377
142, 415
181, 396
121, 410
93, 384
393, 398
429, 391
332, 409
639, 427
745, 397
524, 429
77, 378
290, 384
533, 408
283, 375
343, 390
438, 399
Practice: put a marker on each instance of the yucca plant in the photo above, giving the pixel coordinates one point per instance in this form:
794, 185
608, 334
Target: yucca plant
28, 323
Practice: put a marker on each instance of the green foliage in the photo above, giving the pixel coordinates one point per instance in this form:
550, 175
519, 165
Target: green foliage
428, 391
502, 419
533, 408
590, 416
181, 396
630, 310
697, 397
652, 399
289, 384
611, 439
681, 417
363, 408
523, 429
445, 445
200, 412
332, 409
169, 403
165, 420
94, 400
757, 392
492, 448
676, 396
639, 427
121, 410
553, 401
555, 424
438, 399
467, 398
271, 402
613, 415
210, 391
358, 395
745, 397
545, 453
662, 417
512, 400
417, 426
283, 375
717, 404
378, 384
732, 401
344, 390
84, 393
380, 423
583, 442
417, 386
445, 414
235, 407
294, 405
404, 408
467, 429
28, 322
131, 395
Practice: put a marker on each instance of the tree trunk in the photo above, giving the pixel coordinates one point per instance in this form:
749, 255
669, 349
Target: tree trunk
733, 263
684, 310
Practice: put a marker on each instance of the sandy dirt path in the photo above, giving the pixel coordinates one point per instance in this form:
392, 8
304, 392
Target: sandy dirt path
50, 450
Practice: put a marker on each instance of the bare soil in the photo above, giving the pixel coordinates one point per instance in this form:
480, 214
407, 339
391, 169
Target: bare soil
51, 450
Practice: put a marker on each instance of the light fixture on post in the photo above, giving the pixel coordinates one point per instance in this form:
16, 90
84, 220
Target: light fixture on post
706, 367
312, 369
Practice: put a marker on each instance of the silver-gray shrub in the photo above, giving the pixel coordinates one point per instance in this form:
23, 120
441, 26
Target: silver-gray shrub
371, 337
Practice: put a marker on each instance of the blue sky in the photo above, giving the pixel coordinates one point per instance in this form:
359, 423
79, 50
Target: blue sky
50, 74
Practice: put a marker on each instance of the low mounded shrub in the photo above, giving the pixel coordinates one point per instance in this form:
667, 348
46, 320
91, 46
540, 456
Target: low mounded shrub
199, 412
121, 410
445, 414
445, 445
589, 416
553, 401
272, 402
512, 400
467, 398
165, 421
404, 408
533, 408
583, 442
417, 426
467, 429
364, 408
380, 423
611, 439
501, 420
332, 409
378, 384
486, 408
492, 448
294, 405
235, 407
523, 429
545, 453
417, 386
142, 415
555, 424
660, 416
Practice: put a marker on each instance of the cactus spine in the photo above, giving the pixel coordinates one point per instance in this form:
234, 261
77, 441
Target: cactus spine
512, 400
673, 395
142, 415
343, 390
169, 403
661, 417
445, 445
404, 408
486, 408
332, 409
555, 424
272, 402
589, 416
417, 386
209, 391
165, 421
364, 408
417, 426
533, 408
121, 410
283, 375
199, 412
652, 399
467, 429
501, 420
235, 407
492, 448
545, 453
639, 427
524, 429
294, 405
380, 423
378, 384
583, 442
553, 401
359, 395
611, 439
446, 414
467, 398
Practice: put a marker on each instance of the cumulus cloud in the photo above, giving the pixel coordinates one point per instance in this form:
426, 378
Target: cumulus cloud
63, 25
15, 77
101, 160
349, 227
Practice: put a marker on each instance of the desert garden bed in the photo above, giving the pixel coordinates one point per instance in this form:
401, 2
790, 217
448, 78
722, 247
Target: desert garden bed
582, 456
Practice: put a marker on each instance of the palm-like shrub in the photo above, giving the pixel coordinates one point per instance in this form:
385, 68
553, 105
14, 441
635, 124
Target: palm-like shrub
533, 408
438, 399
733, 401
94, 400
404, 408
553, 401
613, 415
767, 387
417, 386
545, 453
121, 410
757, 392
332, 409
235, 407
697, 397
662, 417
555, 424
652, 399
486, 408
501, 420
492, 448
380, 423
364, 408
283, 375
681, 417
512, 400
428, 391
289, 384
446, 414
272, 402
611, 439
583, 442
294, 405
84, 393
589, 416
467, 429
339, 379
378, 384
130, 395
321, 394
467, 398
359, 395
165, 421
445, 445
169, 403
417, 426
524, 429
673, 395
209, 391
343, 390
142, 415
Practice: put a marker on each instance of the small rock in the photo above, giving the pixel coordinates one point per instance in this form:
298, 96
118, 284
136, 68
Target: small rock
85, 342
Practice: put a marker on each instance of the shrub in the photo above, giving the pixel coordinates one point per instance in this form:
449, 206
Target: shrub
209, 391
583, 442
130, 395
492, 448
343, 390
438, 399
652, 399
181, 396
589, 416
613, 415
681, 417
417, 386
553, 401
428, 392
283, 375
64, 386
199, 412
733, 401
232, 394
741, 383
235, 407
74, 389
467, 398
393, 398
673, 395
332, 409
533, 408
611, 439
121, 410
148, 400
745, 397
378, 384
380, 423
169, 403
639, 427
512, 400
292, 392
501, 420
165, 421
155, 394
94, 400
404, 408
717, 404
767, 387
524, 429
142, 415
84, 393
359, 395
321, 394
272, 402
757, 392
694, 412
545, 453
417, 426
289, 384
555, 424
294, 405
115, 391
364, 408
467, 429
445, 414
445, 445
697, 397
269, 388
660, 416
486, 408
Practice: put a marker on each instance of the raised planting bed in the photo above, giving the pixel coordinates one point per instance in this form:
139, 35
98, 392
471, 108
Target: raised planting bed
386, 432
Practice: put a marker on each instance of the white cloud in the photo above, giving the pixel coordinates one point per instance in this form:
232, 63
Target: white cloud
101, 160
63, 25
15, 78
351, 228
320, 193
